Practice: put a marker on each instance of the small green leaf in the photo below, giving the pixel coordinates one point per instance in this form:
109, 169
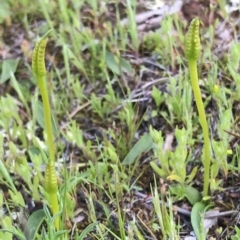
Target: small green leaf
237, 235
9, 67
192, 175
6, 222
157, 169
144, 144
8, 231
6, 234
4, 172
17, 198
33, 224
197, 217
85, 231
157, 96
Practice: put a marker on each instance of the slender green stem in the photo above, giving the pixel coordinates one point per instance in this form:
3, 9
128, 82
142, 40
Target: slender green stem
47, 116
51, 178
55, 208
203, 121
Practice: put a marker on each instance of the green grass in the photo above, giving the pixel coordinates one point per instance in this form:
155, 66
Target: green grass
116, 96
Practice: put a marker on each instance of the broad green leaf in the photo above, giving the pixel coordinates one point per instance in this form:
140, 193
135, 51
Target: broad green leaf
192, 194
116, 65
112, 64
34, 150
144, 144
197, 217
182, 191
8, 68
33, 224
125, 65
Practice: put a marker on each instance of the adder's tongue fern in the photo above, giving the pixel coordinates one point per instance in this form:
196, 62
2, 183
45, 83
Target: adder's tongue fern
39, 69
192, 51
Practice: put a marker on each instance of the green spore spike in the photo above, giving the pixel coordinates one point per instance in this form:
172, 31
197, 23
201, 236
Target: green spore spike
38, 63
192, 44
51, 184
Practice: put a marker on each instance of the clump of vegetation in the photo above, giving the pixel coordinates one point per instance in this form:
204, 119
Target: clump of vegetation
112, 147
